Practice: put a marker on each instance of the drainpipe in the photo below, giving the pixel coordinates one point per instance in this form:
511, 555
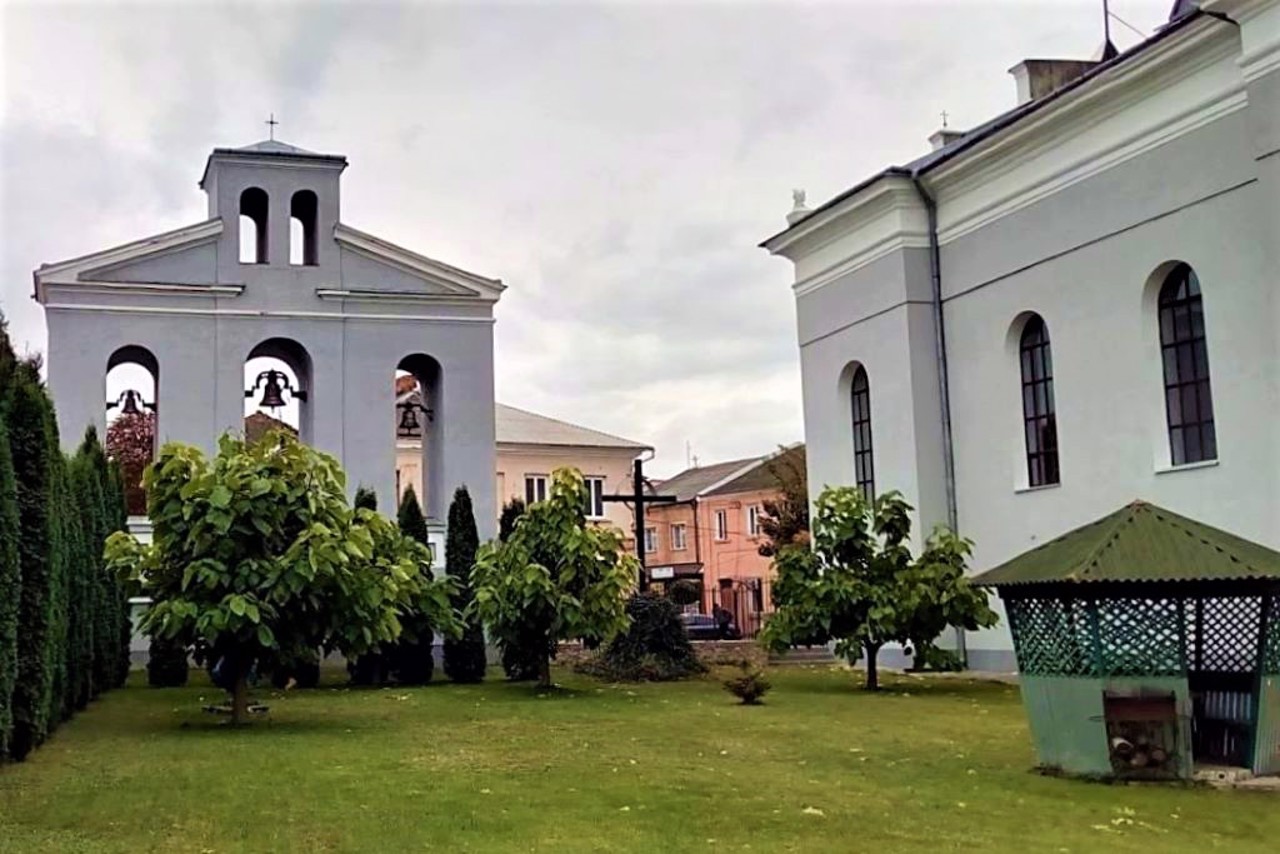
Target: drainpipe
944, 393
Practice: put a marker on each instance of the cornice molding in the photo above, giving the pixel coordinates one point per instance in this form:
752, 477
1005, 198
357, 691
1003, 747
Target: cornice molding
453, 278
211, 291
250, 313
346, 295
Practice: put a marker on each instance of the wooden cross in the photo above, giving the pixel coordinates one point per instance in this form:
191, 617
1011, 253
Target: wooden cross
271, 126
640, 499
944, 119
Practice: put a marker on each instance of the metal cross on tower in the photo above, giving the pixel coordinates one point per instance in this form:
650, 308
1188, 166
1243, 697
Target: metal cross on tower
271, 126
640, 499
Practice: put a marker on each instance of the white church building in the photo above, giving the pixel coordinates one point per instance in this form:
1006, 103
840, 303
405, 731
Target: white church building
274, 273
1072, 306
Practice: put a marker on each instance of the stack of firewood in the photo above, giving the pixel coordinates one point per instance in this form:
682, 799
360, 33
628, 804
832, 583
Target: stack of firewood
1139, 753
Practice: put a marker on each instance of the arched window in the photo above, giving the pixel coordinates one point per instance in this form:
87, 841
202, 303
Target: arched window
1188, 399
253, 226
864, 470
1040, 425
302, 228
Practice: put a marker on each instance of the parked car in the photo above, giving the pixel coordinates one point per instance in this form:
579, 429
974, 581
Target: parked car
707, 627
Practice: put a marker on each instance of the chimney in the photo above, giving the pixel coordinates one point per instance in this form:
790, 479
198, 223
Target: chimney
944, 137
1039, 77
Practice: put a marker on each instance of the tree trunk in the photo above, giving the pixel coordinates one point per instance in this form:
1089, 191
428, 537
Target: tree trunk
240, 700
873, 677
544, 671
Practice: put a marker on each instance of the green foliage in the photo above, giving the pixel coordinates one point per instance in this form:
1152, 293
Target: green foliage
33, 449
860, 585
167, 665
366, 498
555, 578
411, 659
10, 584
749, 686
511, 513
654, 648
257, 558
685, 592
465, 659
785, 521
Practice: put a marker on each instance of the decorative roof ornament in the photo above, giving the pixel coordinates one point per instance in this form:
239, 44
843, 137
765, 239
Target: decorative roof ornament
799, 210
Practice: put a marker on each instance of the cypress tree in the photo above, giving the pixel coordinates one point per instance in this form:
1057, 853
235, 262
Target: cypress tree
32, 453
366, 498
465, 658
10, 585
412, 659
61, 555
121, 618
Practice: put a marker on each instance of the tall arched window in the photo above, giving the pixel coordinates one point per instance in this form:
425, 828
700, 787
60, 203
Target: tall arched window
1040, 424
1188, 399
302, 228
863, 465
253, 226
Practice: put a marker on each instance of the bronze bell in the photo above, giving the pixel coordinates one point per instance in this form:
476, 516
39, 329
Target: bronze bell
409, 419
272, 393
130, 403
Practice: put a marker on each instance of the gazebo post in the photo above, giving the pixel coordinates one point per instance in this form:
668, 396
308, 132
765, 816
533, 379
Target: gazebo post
1255, 761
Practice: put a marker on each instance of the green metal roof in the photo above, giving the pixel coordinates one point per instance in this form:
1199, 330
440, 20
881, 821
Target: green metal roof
1139, 542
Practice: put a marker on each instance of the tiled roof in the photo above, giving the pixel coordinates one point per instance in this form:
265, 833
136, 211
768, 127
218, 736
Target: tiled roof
691, 483
259, 424
763, 475
1139, 542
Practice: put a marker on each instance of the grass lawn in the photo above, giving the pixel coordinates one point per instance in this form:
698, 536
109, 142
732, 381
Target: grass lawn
929, 765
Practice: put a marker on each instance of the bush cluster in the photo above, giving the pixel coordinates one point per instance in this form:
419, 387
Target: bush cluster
654, 648
64, 619
749, 686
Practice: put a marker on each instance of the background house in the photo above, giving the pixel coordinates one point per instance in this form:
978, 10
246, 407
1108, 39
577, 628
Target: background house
529, 448
711, 535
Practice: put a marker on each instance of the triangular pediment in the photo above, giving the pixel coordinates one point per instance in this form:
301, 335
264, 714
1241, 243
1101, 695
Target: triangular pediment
379, 269
184, 256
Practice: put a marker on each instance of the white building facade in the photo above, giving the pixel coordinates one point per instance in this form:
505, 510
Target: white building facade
1070, 307
274, 273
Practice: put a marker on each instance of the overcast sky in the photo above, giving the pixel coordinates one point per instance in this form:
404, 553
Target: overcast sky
614, 164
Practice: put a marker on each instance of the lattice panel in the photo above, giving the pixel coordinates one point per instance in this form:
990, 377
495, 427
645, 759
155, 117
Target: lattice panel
1141, 637
1051, 637
1228, 635
1271, 657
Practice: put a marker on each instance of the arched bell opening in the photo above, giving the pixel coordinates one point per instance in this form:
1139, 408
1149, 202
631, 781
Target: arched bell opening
277, 382
419, 438
132, 387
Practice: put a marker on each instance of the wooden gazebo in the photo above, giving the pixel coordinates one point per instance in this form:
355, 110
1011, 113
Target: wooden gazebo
1148, 645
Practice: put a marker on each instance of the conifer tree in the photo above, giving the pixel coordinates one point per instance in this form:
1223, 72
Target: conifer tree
28, 416
10, 585
366, 498
465, 658
412, 658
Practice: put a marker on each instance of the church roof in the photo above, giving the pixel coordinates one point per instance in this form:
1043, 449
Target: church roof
1139, 542
270, 148
275, 146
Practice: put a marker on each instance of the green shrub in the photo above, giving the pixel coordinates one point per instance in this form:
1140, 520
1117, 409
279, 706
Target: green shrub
166, 663
930, 658
749, 686
465, 658
365, 498
685, 592
654, 648
410, 660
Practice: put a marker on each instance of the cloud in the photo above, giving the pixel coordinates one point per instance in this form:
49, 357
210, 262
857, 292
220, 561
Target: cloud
616, 165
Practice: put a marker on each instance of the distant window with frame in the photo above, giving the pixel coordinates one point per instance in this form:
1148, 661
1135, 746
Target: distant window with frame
535, 488
678, 542
864, 469
753, 521
595, 497
650, 540
1040, 423
722, 525
1185, 353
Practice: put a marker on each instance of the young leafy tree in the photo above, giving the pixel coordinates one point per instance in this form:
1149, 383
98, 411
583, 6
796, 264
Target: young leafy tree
521, 658
131, 442
786, 519
10, 584
555, 578
465, 658
31, 434
257, 557
860, 585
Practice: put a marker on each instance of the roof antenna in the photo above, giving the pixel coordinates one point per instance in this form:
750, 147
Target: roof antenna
1109, 51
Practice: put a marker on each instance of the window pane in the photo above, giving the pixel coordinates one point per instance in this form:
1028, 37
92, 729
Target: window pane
1051, 468
1033, 441
1181, 323
1186, 363
1191, 440
1197, 318
1036, 471
1209, 441
1201, 359
1048, 435
1175, 446
1206, 400
1190, 406
1028, 400
1173, 400
1166, 326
